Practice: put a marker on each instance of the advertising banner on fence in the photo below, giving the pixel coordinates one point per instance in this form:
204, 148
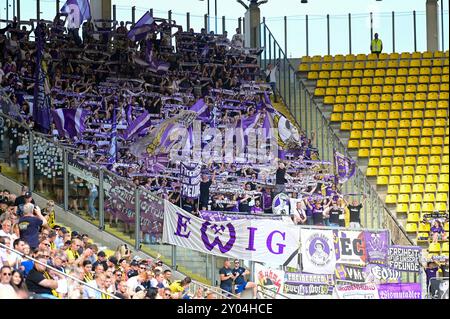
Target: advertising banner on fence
405, 258
400, 291
356, 291
377, 243
378, 274
317, 250
301, 284
271, 242
120, 203
350, 247
271, 279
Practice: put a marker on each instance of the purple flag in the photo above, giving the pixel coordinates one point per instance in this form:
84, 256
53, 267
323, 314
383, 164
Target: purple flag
141, 28
153, 63
267, 125
78, 10
190, 180
377, 243
344, 167
70, 122
41, 104
138, 125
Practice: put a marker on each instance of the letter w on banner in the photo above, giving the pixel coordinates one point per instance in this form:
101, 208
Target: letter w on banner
318, 253
344, 167
255, 240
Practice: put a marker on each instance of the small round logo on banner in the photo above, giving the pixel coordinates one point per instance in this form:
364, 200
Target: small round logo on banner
318, 250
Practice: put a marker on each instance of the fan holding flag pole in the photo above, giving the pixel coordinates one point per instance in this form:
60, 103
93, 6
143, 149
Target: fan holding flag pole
77, 11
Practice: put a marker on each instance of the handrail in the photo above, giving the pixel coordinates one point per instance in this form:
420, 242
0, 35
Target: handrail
217, 290
58, 271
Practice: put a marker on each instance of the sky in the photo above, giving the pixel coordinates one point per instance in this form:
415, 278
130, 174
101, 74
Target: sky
275, 10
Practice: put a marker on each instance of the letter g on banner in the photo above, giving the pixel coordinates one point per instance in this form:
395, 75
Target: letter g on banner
218, 229
280, 246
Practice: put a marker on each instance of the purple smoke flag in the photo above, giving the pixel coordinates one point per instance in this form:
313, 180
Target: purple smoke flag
78, 11
201, 108
138, 125
41, 104
113, 146
344, 167
70, 122
140, 30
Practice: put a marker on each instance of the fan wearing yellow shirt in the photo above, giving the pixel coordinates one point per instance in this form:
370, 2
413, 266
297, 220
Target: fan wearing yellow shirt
180, 287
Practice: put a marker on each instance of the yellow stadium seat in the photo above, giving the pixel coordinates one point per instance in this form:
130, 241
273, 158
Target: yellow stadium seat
324, 75
413, 71
393, 189
405, 123
437, 141
346, 126
373, 107
424, 227
365, 143
414, 63
374, 161
372, 171
425, 63
442, 207
411, 151
329, 100
427, 131
359, 116
419, 179
433, 169
389, 142
330, 91
429, 197
445, 246
369, 125
368, 72
355, 81
422, 160
353, 144
357, 125
363, 152
443, 178
382, 171
421, 169
342, 91
380, 133
394, 180
442, 188
410, 160
402, 208
414, 217
387, 151
413, 79
434, 248
355, 135
411, 228
391, 199
432, 178
407, 179
425, 71
402, 198
405, 188
382, 180
428, 207
336, 117
319, 91
441, 197
417, 188
380, 73
375, 152
416, 198
398, 161
399, 151
313, 75
403, 64
441, 112
424, 150
430, 188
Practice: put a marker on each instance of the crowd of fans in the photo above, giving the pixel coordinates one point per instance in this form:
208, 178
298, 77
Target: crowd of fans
32, 232
152, 75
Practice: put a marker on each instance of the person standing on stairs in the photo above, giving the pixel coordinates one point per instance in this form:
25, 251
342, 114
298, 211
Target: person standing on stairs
271, 78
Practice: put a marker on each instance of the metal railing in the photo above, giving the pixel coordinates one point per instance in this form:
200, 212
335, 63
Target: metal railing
267, 293
67, 276
314, 123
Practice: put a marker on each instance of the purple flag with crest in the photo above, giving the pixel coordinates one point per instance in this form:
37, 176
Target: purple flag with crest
138, 125
78, 10
344, 167
377, 243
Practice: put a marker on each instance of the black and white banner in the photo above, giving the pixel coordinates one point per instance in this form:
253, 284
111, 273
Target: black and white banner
190, 180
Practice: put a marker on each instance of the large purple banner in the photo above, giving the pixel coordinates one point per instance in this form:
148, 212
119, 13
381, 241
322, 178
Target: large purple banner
344, 166
400, 291
377, 243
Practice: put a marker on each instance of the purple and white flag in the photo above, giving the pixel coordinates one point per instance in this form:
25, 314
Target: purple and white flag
141, 28
344, 167
70, 122
377, 243
113, 137
153, 63
78, 11
138, 125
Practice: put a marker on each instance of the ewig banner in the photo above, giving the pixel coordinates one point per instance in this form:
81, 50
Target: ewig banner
271, 242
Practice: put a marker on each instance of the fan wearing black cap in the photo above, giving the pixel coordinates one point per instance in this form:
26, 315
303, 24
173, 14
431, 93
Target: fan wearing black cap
20, 201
